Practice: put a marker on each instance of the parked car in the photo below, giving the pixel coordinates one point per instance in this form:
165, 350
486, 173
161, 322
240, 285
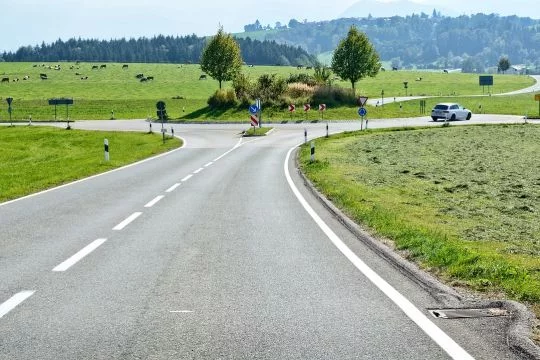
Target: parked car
450, 111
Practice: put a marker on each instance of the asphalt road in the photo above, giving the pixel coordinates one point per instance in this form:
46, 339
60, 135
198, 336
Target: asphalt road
215, 250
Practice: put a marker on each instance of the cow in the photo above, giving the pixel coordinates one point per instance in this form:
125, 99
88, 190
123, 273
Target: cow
383, 69
202, 77
125, 66
394, 68
84, 78
250, 65
16, 79
6, 79
139, 76
309, 67
78, 74
95, 67
103, 66
43, 76
300, 67
445, 71
149, 78
143, 79
418, 79
27, 77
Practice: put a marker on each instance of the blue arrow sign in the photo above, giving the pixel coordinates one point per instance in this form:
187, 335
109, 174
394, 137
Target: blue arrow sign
253, 109
362, 111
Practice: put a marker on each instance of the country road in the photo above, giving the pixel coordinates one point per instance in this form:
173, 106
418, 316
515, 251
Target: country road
215, 250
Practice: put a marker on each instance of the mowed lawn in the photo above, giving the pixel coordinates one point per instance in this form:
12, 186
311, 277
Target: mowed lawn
114, 91
463, 201
35, 158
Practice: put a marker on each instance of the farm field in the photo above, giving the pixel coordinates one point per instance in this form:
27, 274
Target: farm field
114, 92
462, 201
34, 158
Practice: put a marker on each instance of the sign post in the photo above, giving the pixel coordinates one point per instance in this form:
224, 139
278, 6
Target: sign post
307, 107
486, 80
362, 112
292, 109
322, 109
106, 145
62, 101
9, 100
161, 113
259, 111
254, 112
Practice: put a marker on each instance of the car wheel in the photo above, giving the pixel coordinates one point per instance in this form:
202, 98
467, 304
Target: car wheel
469, 115
453, 118
434, 118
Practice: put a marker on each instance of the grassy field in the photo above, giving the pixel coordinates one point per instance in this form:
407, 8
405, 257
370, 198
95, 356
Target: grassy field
116, 92
36, 158
461, 201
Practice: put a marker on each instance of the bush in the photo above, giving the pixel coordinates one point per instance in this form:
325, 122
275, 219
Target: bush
302, 78
333, 96
223, 99
270, 89
300, 90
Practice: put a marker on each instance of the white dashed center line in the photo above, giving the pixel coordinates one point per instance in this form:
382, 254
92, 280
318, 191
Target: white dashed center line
126, 222
210, 163
154, 201
172, 188
187, 178
14, 301
198, 170
78, 256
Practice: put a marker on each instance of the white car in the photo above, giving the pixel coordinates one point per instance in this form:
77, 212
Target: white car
450, 111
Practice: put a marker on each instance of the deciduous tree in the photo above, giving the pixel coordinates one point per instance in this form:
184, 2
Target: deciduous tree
221, 58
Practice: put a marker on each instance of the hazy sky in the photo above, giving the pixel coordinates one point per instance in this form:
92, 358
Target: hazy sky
29, 22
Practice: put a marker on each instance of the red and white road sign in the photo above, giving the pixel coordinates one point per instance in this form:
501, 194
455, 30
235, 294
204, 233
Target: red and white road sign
292, 108
307, 107
362, 100
254, 120
322, 107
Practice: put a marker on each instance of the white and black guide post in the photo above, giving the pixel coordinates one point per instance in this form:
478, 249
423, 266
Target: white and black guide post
305, 136
106, 146
312, 151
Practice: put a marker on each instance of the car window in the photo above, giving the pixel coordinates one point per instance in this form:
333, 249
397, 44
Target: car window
453, 107
441, 107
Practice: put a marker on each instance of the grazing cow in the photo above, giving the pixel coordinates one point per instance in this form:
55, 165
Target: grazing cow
26, 77
418, 79
95, 67
394, 68
71, 67
43, 76
149, 78
445, 71
250, 65
202, 77
103, 66
300, 67
139, 76
125, 66
309, 67
78, 74
6, 79
143, 79
383, 69
16, 79
84, 78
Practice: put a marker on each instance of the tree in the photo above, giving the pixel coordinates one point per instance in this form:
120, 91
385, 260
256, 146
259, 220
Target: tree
355, 57
221, 57
504, 64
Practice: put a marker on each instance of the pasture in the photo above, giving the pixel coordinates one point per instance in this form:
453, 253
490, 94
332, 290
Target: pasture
462, 201
107, 90
34, 158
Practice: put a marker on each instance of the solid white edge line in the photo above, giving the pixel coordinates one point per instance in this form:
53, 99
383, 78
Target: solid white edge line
127, 221
15, 300
154, 201
184, 142
433, 331
187, 178
172, 188
210, 163
79, 255
198, 170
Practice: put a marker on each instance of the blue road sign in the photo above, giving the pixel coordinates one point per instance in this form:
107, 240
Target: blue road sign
253, 109
362, 111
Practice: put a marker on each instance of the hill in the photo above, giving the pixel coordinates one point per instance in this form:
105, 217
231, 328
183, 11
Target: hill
474, 43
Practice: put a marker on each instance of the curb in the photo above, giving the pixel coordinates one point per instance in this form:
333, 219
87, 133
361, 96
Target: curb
522, 320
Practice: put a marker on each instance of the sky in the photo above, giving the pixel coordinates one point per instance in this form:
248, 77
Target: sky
31, 22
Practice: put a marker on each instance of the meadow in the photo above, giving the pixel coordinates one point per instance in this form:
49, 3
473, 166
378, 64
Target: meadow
34, 158
115, 92
462, 201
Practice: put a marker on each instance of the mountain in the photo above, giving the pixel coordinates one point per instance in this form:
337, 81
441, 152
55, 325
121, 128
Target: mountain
377, 8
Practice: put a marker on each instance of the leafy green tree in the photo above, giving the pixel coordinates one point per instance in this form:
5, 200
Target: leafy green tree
504, 64
355, 57
221, 58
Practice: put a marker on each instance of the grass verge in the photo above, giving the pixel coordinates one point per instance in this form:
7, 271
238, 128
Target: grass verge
462, 202
257, 131
36, 158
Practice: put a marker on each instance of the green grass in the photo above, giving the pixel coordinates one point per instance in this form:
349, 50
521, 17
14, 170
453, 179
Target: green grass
36, 158
462, 201
115, 89
257, 131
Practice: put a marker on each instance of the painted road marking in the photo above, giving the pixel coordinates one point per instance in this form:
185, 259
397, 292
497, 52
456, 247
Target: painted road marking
154, 201
198, 170
437, 335
181, 311
187, 178
210, 163
81, 254
126, 222
172, 188
14, 301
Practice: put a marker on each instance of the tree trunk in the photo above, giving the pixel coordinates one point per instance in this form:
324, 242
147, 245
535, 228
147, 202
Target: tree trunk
219, 84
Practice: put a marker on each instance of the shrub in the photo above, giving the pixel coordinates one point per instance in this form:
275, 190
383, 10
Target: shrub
269, 88
333, 96
300, 90
302, 78
223, 98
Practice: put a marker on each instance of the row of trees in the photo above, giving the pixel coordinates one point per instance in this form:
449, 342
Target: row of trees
159, 49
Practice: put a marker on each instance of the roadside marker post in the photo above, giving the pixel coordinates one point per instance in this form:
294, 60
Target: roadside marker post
305, 136
106, 146
312, 151
9, 100
322, 109
326, 129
